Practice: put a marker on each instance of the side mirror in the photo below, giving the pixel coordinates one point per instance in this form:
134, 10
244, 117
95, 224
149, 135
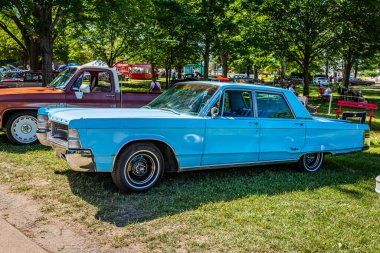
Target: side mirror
84, 88
214, 112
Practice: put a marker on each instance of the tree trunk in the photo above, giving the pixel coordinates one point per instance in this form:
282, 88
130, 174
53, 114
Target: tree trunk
327, 68
347, 61
206, 56
283, 68
34, 56
152, 69
224, 59
255, 73
305, 64
47, 52
356, 69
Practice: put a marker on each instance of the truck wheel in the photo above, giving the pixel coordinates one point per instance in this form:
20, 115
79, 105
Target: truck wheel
311, 162
22, 127
138, 168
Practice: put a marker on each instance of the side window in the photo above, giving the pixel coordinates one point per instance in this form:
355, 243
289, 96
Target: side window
83, 78
237, 104
102, 82
271, 105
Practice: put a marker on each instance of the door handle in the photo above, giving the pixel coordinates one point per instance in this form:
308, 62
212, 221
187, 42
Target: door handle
254, 123
110, 95
300, 124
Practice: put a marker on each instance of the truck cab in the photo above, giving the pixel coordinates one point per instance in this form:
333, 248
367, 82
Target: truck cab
77, 86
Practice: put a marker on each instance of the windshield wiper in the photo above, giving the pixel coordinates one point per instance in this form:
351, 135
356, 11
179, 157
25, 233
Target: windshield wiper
170, 110
147, 107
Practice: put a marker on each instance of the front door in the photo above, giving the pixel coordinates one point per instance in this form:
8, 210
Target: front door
232, 137
100, 91
282, 136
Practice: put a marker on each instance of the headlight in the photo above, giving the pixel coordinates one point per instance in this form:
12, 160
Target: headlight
73, 139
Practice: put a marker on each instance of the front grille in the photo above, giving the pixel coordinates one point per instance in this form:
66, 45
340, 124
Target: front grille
58, 133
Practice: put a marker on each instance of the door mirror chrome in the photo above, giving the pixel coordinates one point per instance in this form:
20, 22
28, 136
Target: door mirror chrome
79, 94
214, 112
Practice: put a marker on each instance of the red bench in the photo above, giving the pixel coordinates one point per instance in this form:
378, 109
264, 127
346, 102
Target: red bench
360, 105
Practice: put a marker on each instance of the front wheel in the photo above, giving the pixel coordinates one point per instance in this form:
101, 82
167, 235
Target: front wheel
311, 162
22, 127
138, 168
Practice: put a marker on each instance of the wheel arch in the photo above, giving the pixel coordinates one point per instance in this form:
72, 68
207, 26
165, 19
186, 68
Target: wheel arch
8, 113
168, 153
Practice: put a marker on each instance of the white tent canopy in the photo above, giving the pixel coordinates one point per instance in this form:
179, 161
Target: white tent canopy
96, 63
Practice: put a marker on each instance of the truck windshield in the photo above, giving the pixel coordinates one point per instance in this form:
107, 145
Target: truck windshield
61, 81
185, 98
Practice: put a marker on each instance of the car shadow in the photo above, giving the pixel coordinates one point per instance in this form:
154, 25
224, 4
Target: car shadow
182, 192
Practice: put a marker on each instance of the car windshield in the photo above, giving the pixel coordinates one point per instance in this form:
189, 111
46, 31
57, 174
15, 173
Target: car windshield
61, 81
185, 98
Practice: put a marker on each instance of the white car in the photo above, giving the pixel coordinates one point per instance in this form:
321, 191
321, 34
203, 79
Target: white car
321, 80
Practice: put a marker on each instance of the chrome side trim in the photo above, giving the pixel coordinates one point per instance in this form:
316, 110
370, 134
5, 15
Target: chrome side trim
223, 166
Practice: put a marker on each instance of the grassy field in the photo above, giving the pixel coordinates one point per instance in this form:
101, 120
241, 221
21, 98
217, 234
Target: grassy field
258, 209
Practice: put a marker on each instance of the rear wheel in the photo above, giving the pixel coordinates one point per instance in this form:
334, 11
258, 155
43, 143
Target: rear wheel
138, 168
22, 127
311, 162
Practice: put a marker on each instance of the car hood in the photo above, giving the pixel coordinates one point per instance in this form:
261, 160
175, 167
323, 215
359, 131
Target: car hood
28, 91
92, 116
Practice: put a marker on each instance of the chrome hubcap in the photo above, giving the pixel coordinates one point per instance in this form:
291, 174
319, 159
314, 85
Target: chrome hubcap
26, 128
141, 168
312, 161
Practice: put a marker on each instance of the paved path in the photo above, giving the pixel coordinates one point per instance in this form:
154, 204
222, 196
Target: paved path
13, 241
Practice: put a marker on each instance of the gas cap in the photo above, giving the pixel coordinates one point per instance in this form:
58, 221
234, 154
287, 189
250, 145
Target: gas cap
377, 189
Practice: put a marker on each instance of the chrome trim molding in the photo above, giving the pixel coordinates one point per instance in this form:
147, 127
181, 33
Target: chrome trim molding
223, 166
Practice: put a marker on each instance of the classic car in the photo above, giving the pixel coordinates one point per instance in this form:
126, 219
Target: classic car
197, 125
321, 81
359, 81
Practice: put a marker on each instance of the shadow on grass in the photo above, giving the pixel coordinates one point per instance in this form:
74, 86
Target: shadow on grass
7, 146
188, 191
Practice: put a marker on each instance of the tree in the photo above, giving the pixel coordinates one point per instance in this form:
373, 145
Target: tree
39, 23
301, 28
359, 32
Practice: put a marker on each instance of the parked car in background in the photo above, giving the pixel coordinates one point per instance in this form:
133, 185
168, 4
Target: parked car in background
321, 81
198, 125
24, 79
296, 79
82, 86
186, 78
241, 79
359, 81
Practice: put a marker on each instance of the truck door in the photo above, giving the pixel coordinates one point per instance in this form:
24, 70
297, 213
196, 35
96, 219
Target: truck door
92, 88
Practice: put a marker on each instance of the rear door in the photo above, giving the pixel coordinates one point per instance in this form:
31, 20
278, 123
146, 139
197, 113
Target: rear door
233, 136
282, 136
100, 86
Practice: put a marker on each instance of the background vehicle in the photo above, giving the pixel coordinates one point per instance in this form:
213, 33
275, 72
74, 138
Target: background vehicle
198, 125
24, 79
85, 86
321, 81
359, 81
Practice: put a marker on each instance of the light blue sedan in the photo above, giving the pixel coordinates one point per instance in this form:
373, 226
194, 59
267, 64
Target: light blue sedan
193, 126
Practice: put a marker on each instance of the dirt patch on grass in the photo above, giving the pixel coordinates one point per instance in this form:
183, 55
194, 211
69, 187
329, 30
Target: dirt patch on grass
50, 233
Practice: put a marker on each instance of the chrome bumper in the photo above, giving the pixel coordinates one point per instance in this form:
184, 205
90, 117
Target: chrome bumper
42, 135
80, 160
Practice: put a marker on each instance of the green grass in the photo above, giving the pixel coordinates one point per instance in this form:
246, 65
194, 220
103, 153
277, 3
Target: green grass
258, 209
140, 85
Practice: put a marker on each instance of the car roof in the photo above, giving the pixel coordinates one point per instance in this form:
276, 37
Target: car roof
238, 85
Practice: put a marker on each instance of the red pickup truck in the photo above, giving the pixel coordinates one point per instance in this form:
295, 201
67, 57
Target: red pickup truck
79, 86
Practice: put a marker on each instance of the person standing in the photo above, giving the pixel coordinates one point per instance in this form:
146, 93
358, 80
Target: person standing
155, 86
